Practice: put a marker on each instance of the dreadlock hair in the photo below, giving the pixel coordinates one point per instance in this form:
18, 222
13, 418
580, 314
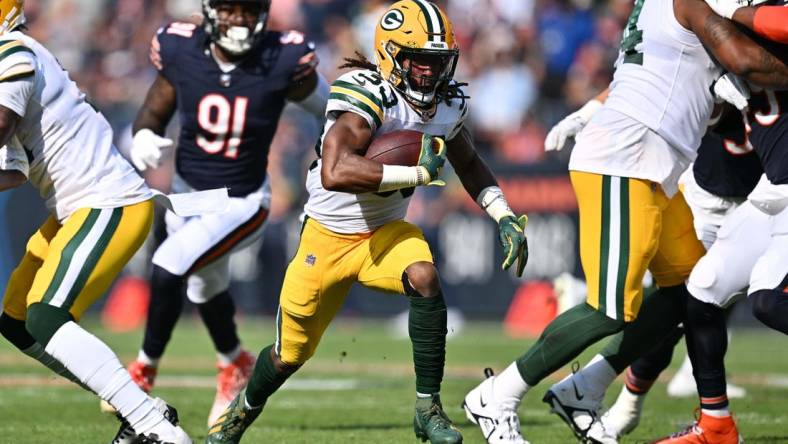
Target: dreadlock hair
358, 61
446, 92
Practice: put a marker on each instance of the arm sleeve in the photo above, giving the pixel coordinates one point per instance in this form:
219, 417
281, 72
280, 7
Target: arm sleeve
772, 23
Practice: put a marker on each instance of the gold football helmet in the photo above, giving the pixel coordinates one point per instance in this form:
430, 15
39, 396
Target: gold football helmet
415, 50
12, 14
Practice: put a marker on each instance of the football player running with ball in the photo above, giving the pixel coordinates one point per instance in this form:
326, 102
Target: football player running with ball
101, 212
354, 230
229, 81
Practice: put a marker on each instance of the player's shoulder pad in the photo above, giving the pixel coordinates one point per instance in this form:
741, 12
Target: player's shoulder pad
17, 60
364, 90
172, 39
178, 31
293, 38
173, 35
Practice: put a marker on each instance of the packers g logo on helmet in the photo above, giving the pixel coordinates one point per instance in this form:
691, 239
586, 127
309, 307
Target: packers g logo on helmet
416, 31
12, 14
392, 20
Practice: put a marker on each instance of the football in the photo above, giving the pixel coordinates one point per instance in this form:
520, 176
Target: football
396, 148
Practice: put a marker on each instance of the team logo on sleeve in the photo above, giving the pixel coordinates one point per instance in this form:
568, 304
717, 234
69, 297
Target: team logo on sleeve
392, 20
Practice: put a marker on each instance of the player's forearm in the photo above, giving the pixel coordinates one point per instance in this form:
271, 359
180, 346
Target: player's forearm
158, 108
146, 119
475, 176
351, 173
764, 69
738, 53
11, 179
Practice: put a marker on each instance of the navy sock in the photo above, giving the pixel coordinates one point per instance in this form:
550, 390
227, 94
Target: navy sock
166, 304
218, 315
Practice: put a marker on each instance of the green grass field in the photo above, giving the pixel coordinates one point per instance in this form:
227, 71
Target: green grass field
359, 388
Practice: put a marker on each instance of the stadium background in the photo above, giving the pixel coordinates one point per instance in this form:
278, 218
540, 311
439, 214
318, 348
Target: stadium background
528, 63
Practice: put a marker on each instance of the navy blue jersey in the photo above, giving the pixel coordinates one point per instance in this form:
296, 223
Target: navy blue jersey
727, 165
769, 132
227, 119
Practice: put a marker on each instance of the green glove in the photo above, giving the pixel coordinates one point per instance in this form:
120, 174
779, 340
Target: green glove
430, 160
511, 232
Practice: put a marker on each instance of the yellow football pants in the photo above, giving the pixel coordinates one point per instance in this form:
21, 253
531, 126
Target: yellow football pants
626, 227
326, 265
73, 264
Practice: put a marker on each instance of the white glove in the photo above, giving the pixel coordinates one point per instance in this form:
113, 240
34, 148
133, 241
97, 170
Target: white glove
570, 126
146, 149
730, 88
726, 8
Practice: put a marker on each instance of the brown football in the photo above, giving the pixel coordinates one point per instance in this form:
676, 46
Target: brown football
396, 148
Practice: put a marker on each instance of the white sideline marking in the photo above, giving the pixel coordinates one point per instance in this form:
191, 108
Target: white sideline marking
187, 381
776, 381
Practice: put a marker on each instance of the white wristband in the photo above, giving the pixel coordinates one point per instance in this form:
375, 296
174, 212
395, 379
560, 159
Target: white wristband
492, 201
396, 177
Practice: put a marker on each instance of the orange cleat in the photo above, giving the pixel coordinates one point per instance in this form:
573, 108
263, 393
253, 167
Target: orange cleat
143, 375
708, 430
230, 381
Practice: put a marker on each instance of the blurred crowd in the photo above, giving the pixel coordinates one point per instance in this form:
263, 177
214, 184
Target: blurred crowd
527, 63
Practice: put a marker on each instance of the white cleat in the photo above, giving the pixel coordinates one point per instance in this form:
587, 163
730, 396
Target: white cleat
624, 415
579, 409
499, 424
683, 384
178, 437
127, 435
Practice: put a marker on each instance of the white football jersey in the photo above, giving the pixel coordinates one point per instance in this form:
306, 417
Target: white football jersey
663, 76
73, 161
365, 93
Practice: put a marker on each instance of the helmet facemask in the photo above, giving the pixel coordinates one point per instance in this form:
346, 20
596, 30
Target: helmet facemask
13, 17
236, 40
421, 74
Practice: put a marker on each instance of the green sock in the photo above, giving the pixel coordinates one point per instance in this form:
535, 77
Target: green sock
565, 338
427, 329
14, 330
265, 380
660, 313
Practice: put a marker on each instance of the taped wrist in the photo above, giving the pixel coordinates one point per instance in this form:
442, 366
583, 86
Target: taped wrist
396, 177
492, 200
